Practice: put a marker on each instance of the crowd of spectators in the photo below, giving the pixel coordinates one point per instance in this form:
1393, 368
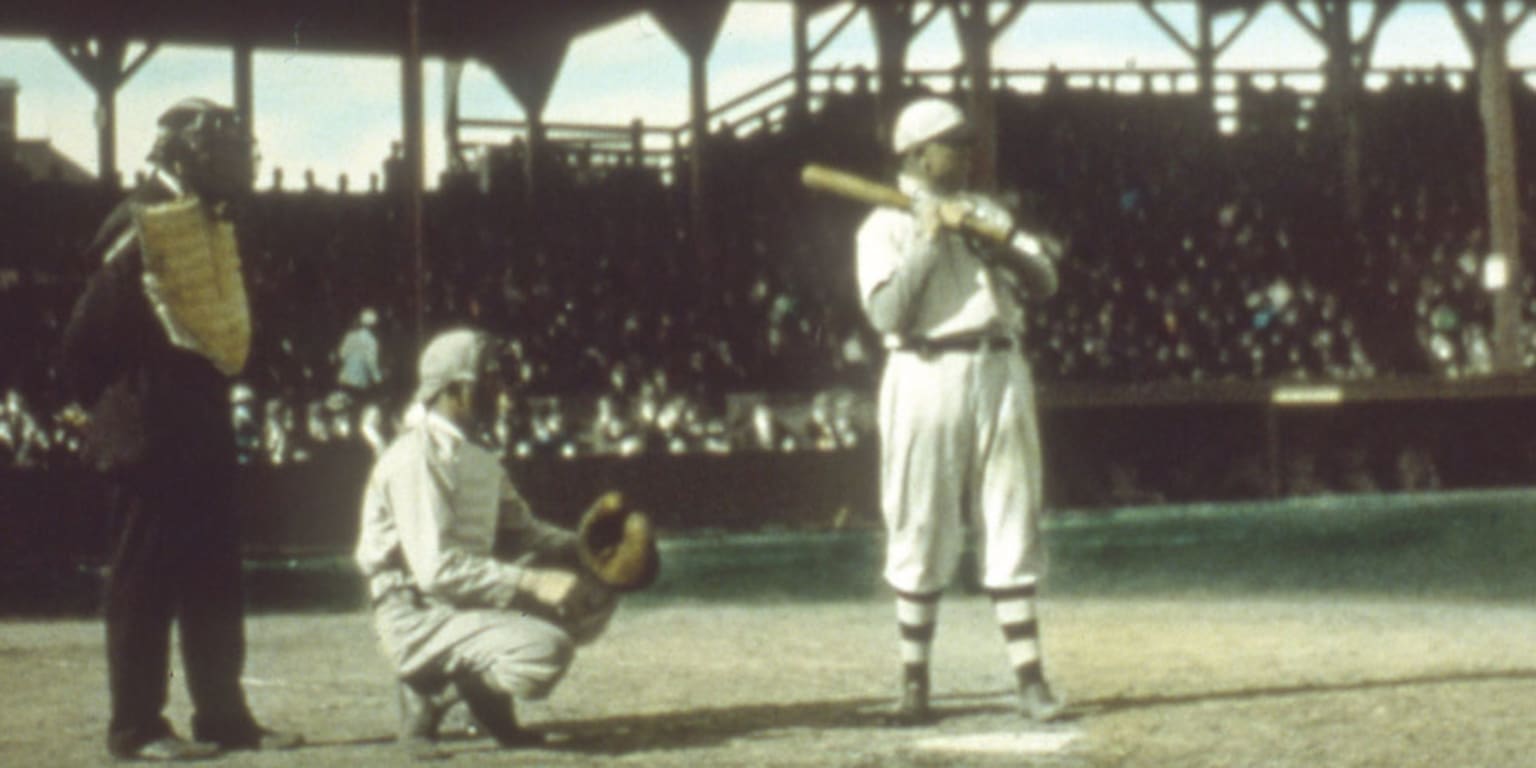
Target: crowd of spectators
1193, 255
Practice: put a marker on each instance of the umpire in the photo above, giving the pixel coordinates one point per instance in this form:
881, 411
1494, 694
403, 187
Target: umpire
959, 443
151, 345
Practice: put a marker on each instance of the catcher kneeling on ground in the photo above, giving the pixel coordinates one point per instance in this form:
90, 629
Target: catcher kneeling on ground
470, 591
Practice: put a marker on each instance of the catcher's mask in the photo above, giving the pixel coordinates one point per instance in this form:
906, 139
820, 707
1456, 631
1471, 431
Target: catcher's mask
617, 544
205, 146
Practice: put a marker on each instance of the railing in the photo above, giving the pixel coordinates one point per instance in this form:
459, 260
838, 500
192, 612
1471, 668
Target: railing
768, 106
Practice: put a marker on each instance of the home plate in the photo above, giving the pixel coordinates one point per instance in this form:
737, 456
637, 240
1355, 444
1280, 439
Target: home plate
1003, 743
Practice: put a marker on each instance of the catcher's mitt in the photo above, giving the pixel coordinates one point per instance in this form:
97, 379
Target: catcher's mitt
617, 545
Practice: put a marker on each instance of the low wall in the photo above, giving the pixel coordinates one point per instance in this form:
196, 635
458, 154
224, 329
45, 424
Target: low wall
1101, 452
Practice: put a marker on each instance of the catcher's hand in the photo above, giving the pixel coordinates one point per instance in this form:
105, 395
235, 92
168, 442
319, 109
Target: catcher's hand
561, 594
550, 587
617, 544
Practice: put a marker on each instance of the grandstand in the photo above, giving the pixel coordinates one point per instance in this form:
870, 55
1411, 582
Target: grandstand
1221, 293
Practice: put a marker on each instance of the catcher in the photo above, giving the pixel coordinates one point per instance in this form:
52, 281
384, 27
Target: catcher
470, 591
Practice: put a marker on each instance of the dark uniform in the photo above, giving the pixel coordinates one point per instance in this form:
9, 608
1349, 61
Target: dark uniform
161, 433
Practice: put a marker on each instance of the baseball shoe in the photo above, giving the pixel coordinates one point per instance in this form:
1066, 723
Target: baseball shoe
420, 716
1037, 703
261, 740
170, 749
913, 708
497, 714
245, 735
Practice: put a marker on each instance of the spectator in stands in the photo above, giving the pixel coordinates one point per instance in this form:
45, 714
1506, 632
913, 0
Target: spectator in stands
358, 356
23, 442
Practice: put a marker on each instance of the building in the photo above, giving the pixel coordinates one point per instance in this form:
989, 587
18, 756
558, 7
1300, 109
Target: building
33, 159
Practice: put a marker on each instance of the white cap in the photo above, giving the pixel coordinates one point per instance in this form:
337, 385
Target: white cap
368, 317
453, 356
924, 120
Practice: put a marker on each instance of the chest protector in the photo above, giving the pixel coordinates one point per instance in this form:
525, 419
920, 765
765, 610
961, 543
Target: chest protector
193, 281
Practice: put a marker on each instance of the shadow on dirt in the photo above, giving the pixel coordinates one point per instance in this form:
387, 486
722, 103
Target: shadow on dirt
715, 726
1111, 705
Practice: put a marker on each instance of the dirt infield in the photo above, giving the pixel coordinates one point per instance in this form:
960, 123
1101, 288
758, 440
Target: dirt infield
1172, 680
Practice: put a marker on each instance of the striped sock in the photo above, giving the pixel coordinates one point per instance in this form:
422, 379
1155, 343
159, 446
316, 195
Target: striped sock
1015, 611
916, 616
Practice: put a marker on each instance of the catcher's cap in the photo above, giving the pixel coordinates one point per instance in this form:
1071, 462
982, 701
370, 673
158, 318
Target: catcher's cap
928, 119
451, 356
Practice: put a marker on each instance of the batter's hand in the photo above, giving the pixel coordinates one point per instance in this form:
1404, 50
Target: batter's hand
935, 213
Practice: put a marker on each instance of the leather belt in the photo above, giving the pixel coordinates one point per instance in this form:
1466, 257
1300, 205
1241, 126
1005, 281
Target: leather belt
969, 342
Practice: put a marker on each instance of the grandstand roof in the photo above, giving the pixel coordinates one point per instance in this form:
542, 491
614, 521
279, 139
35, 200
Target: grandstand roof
448, 27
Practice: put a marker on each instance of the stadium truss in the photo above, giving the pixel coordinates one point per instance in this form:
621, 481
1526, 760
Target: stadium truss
525, 43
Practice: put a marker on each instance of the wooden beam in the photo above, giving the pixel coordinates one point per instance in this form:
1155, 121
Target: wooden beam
835, 30
1519, 19
1168, 28
1226, 42
921, 23
1466, 25
1381, 10
150, 47
1301, 19
1010, 15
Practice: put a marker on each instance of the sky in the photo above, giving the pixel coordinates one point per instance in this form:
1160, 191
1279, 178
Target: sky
334, 115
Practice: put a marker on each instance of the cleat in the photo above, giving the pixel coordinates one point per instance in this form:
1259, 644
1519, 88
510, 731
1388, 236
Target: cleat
496, 714
1037, 703
913, 709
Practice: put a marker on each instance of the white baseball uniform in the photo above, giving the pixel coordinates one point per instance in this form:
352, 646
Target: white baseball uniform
431, 514
959, 440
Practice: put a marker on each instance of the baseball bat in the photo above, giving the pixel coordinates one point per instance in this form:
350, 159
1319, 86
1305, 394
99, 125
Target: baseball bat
864, 190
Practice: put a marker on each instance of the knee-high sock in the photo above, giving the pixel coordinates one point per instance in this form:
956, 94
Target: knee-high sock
916, 616
1015, 611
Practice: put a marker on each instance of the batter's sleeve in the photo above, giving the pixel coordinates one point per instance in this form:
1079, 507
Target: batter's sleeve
894, 262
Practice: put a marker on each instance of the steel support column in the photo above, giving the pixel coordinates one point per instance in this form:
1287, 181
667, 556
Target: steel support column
1348, 59
977, 31
527, 66
244, 89
101, 63
413, 132
694, 27
1489, 43
800, 105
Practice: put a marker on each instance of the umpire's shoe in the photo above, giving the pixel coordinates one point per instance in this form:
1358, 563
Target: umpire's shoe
169, 749
1036, 702
248, 736
913, 708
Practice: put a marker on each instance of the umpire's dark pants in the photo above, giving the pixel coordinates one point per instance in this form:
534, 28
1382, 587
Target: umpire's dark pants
175, 556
